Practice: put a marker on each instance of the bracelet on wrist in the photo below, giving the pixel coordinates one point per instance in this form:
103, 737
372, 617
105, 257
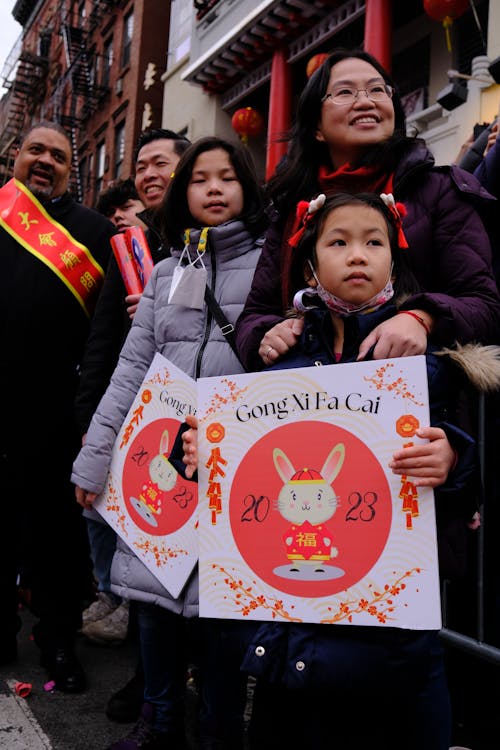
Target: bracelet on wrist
417, 317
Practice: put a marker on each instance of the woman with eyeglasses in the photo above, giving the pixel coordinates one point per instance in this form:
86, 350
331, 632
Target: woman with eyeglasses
349, 135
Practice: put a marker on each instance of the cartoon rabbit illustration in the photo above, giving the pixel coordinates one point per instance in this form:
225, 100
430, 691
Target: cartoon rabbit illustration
307, 499
162, 478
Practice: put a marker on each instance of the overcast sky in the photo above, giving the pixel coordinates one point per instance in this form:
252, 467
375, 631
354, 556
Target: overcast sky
10, 30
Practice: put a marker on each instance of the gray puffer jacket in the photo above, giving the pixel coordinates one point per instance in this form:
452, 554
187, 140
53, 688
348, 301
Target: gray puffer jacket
193, 341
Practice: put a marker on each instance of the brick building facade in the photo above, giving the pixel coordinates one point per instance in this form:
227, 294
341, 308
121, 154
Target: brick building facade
95, 67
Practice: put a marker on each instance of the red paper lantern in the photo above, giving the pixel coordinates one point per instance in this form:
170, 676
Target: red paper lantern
247, 122
446, 11
315, 62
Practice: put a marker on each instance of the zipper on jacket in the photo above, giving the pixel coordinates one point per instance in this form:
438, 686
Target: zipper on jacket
408, 176
208, 322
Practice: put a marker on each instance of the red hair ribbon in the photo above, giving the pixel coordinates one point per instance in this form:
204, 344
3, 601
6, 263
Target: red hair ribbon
304, 213
397, 212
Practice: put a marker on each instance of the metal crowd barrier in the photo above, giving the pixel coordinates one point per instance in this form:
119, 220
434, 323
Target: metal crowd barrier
482, 596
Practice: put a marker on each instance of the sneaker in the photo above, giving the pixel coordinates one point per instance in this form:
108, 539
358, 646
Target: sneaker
102, 607
125, 705
110, 630
144, 737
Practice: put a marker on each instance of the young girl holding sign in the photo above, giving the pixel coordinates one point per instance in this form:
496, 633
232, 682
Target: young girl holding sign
354, 686
214, 219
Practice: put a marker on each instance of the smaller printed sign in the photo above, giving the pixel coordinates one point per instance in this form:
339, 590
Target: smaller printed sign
150, 506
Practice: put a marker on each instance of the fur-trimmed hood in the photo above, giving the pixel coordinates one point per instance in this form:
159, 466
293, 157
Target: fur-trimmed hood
481, 364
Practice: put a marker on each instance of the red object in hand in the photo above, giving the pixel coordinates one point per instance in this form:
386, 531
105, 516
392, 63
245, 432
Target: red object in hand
126, 264
247, 121
139, 249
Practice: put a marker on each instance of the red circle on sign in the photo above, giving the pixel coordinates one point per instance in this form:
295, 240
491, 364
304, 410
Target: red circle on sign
158, 500
358, 527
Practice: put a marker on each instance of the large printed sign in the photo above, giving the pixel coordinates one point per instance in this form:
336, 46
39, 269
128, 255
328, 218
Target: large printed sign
151, 507
301, 518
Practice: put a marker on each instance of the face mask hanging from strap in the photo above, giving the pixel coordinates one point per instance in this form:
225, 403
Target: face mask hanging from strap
189, 286
189, 279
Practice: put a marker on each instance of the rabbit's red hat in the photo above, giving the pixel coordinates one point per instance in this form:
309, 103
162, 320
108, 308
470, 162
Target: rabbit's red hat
307, 475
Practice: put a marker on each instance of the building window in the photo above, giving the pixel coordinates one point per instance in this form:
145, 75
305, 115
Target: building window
90, 167
107, 62
128, 29
82, 174
119, 149
100, 166
413, 80
179, 38
44, 43
85, 174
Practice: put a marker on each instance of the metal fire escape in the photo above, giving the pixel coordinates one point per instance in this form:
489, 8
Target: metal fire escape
79, 90
26, 91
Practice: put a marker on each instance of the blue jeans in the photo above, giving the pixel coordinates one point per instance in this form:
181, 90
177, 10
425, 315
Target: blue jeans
102, 540
163, 644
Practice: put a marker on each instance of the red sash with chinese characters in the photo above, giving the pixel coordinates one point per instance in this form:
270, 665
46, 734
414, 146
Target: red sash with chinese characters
25, 219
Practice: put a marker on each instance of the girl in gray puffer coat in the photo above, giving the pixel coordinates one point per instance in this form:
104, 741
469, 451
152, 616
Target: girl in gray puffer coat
216, 193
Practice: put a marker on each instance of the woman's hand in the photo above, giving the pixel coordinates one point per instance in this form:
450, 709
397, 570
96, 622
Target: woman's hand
190, 446
428, 464
400, 336
84, 498
132, 301
280, 339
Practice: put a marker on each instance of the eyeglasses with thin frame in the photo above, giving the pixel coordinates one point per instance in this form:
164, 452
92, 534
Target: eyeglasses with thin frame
378, 92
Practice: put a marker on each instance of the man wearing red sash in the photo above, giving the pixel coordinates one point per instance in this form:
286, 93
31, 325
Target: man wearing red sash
52, 252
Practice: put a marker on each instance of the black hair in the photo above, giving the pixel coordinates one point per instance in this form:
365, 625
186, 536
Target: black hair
181, 143
50, 125
297, 176
115, 196
174, 213
405, 283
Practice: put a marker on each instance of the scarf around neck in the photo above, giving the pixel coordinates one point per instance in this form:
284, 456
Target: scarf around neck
345, 179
